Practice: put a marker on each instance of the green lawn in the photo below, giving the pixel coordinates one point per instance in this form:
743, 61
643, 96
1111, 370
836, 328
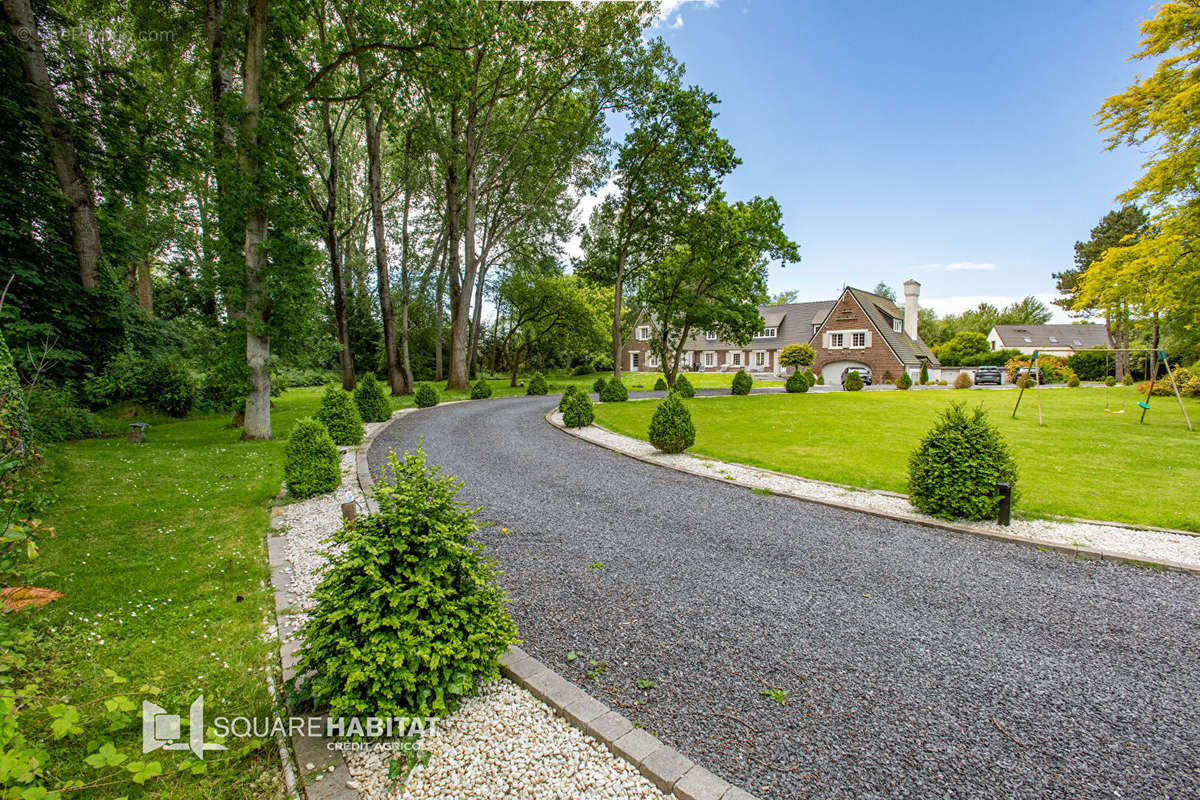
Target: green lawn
634, 382
1084, 462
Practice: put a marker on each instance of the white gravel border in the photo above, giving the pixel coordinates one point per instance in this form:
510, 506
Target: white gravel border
502, 743
1174, 550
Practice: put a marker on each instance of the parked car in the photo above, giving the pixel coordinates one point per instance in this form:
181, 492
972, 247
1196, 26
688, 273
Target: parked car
1035, 374
988, 374
863, 372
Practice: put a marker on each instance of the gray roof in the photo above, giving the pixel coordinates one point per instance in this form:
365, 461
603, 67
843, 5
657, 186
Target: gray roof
794, 322
882, 311
1077, 337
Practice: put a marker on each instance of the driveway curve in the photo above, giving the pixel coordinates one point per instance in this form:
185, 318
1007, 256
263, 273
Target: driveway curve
904, 661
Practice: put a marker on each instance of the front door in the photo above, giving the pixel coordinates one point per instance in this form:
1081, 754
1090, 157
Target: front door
634, 361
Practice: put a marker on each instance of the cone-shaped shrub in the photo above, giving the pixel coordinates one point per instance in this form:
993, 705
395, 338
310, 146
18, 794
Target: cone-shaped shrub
660, 385
311, 462
481, 390
796, 382
953, 472
924, 372
599, 384
810, 377
537, 384
408, 619
571, 391
853, 382
741, 382
904, 381
671, 428
425, 396
339, 415
683, 387
578, 411
614, 392
373, 406
963, 381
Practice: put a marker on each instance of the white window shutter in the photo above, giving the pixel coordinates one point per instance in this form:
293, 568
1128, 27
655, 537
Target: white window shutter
825, 340
868, 338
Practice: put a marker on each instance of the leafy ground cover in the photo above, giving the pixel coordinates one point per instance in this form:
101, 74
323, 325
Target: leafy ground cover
1084, 462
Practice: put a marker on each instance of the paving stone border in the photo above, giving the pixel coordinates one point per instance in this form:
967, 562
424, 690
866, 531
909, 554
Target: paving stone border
1071, 551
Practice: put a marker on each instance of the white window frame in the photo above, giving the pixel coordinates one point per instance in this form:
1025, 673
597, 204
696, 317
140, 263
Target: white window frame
855, 336
651, 361
767, 333
766, 359
710, 358
634, 360
734, 358
838, 343
643, 333
898, 326
709, 336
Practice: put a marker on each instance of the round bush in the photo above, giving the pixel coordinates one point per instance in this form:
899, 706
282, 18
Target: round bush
904, 381
583, 369
660, 385
796, 382
168, 386
599, 384
954, 471
1127, 380
339, 415
481, 390
408, 619
311, 463
741, 383
963, 381
577, 413
1110, 381
425, 396
614, 392
373, 406
683, 387
602, 364
810, 377
671, 428
853, 382
1025, 382
537, 384
571, 391
1073, 381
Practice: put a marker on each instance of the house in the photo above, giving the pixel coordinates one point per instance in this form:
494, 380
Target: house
858, 329
1054, 340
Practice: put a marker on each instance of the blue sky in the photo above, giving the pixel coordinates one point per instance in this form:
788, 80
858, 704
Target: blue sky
950, 142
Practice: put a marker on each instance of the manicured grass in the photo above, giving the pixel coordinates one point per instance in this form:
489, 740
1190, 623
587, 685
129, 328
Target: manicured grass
160, 555
1084, 462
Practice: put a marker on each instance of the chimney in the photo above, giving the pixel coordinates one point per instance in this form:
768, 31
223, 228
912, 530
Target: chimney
912, 291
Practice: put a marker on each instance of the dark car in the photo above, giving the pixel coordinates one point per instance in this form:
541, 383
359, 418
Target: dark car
988, 374
863, 372
1035, 375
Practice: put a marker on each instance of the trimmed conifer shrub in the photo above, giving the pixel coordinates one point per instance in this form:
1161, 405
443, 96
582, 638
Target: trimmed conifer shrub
1109, 380
904, 381
924, 372
614, 392
853, 382
741, 382
683, 387
671, 428
811, 378
954, 471
577, 412
571, 391
425, 396
1073, 381
660, 385
821, 380
408, 618
963, 381
537, 384
1128, 379
373, 405
599, 384
481, 390
339, 415
311, 462
796, 382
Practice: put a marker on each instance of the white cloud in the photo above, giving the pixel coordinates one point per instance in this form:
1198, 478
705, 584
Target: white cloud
960, 266
677, 22
668, 7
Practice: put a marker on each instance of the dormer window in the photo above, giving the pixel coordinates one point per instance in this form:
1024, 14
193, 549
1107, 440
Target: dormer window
767, 333
710, 336
898, 326
643, 333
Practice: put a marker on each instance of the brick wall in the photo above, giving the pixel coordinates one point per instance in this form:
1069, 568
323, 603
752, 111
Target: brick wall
845, 317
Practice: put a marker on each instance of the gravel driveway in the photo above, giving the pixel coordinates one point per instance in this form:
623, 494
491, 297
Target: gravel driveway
917, 663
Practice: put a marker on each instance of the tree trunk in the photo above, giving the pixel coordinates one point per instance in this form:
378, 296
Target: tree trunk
439, 370
453, 265
143, 290
476, 323
618, 290
258, 344
1154, 351
374, 125
76, 187
333, 246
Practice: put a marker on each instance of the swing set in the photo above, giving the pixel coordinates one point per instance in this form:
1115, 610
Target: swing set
1035, 371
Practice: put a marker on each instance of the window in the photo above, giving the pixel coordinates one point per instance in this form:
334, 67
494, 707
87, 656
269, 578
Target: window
634, 361
858, 339
760, 358
898, 326
1053, 340
710, 336
651, 361
835, 340
767, 333
735, 358
710, 358
643, 333
1028, 340
1076, 342
815, 327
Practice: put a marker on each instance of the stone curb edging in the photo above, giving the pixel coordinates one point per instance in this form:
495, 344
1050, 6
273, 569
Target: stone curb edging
665, 767
1073, 551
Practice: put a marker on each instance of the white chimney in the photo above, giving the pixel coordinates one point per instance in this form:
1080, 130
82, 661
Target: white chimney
912, 291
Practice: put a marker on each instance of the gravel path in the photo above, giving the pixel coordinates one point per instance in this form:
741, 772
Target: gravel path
917, 663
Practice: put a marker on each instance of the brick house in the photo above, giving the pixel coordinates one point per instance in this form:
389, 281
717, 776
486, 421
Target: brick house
857, 329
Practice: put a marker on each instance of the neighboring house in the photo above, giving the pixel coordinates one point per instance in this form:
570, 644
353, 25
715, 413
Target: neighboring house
857, 329
1054, 340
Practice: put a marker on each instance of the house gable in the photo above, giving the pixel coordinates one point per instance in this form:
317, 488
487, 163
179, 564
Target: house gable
849, 333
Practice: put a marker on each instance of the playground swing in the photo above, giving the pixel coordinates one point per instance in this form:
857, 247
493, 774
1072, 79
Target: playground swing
1144, 403
1108, 409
